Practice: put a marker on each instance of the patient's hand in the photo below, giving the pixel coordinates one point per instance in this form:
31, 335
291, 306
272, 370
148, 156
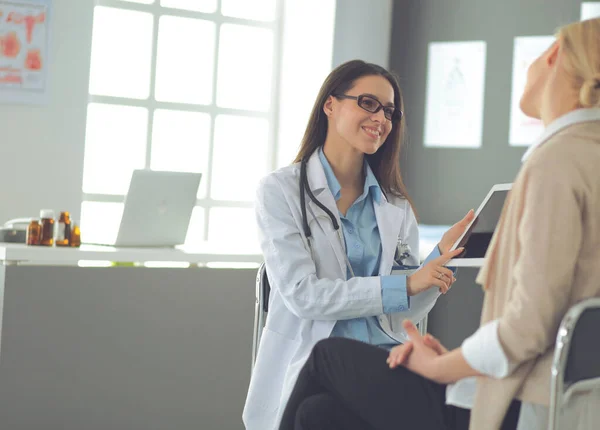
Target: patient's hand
434, 344
419, 354
399, 355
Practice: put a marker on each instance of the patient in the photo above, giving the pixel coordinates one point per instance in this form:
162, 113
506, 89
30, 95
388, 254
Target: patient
544, 258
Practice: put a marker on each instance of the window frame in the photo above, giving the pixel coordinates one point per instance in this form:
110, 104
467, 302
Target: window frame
206, 203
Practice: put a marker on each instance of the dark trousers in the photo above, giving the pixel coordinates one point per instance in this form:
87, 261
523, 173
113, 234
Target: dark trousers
347, 385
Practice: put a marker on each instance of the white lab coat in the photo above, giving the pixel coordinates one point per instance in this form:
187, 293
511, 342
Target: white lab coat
310, 292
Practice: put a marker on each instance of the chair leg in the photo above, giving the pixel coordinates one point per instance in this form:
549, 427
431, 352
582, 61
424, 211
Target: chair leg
256, 333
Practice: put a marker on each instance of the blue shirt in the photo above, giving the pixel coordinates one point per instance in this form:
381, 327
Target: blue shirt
363, 248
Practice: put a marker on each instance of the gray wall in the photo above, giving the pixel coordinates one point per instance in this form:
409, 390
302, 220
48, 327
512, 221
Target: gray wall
445, 183
362, 31
456, 315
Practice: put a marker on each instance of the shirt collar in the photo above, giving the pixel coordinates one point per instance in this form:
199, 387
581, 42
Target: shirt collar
573, 117
371, 184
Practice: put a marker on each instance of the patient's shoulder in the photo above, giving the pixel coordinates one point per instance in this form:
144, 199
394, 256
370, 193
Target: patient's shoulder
575, 149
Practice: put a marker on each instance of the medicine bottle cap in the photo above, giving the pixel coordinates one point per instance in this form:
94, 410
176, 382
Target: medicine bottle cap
46, 213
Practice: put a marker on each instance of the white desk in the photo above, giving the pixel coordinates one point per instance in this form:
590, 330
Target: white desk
123, 347
42, 255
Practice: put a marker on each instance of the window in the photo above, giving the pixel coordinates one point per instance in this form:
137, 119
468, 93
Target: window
183, 85
299, 84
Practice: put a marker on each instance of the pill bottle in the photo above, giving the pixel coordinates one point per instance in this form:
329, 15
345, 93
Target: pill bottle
34, 233
75, 240
47, 236
63, 230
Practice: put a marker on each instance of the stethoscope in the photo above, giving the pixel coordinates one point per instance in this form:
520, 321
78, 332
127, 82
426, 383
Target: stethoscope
402, 249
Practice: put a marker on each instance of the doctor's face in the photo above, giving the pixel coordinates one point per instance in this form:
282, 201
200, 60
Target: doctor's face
353, 120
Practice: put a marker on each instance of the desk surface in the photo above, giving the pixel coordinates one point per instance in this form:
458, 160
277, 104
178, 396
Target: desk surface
18, 253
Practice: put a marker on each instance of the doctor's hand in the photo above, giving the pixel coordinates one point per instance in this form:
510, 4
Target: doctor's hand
433, 274
454, 232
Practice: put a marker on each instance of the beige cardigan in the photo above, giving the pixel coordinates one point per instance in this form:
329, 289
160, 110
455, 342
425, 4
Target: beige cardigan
544, 257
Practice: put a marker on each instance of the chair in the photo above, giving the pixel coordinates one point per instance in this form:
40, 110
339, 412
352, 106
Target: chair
261, 307
576, 364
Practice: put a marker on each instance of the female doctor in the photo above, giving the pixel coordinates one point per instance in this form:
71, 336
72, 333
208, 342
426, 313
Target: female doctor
331, 226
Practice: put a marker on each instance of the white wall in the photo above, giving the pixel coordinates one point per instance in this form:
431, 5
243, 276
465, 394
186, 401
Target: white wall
345, 21
363, 29
41, 147
299, 84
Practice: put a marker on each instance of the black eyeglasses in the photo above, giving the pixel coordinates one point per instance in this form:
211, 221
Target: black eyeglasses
372, 105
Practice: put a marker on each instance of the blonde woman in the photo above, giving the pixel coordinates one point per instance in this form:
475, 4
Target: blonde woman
544, 258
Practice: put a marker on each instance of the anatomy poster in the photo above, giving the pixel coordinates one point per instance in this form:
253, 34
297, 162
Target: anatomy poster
589, 10
523, 129
23, 50
455, 92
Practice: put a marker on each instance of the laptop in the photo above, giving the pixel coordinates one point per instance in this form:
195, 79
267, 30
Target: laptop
158, 208
478, 235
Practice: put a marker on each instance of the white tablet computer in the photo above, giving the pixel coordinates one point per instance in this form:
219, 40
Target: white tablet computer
478, 234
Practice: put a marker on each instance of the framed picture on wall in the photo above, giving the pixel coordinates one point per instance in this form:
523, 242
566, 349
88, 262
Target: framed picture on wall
590, 9
24, 33
455, 93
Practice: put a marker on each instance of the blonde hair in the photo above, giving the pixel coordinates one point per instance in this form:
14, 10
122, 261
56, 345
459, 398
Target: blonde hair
580, 44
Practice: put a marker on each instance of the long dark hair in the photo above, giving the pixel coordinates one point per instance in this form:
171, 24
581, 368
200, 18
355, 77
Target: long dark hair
385, 163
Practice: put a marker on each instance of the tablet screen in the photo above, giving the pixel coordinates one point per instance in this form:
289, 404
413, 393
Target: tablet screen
479, 235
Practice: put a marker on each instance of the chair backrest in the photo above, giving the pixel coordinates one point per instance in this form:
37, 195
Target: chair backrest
583, 361
577, 355
263, 290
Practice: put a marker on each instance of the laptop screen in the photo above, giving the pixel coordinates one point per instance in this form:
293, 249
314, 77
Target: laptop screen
479, 235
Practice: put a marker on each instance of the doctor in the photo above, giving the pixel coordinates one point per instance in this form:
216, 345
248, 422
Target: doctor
331, 226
